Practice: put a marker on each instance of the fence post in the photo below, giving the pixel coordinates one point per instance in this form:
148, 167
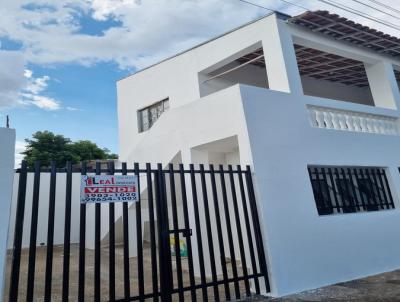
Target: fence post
163, 237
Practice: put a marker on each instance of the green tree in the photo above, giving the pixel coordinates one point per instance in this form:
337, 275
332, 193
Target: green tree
87, 150
47, 146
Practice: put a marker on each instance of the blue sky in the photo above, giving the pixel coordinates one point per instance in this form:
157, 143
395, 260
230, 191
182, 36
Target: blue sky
94, 114
60, 59
88, 95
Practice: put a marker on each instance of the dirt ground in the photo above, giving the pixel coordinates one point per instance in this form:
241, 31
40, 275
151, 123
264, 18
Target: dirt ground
382, 287
89, 280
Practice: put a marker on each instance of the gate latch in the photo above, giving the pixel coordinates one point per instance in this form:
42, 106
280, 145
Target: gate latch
185, 232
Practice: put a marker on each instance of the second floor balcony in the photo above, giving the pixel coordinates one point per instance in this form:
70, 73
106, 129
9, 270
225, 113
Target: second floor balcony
322, 74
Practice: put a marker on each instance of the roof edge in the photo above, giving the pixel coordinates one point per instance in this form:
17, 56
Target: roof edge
279, 15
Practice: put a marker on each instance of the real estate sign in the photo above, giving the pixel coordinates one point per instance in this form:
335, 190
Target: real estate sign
108, 188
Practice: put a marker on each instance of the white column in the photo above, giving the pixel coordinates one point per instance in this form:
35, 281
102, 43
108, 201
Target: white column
382, 82
280, 59
7, 157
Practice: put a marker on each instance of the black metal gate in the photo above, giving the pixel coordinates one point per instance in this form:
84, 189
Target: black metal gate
197, 236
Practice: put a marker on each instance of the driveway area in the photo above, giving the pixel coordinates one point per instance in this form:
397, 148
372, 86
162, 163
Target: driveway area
382, 287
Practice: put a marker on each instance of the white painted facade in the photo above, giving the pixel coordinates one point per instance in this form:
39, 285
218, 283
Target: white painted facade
274, 120
7, 159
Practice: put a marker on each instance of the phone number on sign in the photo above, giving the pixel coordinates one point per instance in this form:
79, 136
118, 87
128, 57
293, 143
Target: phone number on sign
110, 197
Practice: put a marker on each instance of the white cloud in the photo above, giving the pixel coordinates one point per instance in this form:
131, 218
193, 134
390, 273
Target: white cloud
12, 65
103, 9
18, 86
28, 73
37, 85
148, 31
69, 108
40, 101
19, 147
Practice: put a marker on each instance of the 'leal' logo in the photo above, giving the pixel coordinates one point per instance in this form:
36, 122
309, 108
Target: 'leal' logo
91, 181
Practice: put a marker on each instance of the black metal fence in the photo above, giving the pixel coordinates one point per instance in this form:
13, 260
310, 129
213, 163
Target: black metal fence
211, 211
350, 189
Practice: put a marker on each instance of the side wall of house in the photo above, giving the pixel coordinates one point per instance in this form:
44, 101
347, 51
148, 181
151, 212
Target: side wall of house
306, 250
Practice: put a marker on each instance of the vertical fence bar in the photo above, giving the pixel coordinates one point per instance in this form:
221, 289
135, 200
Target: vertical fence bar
350, 207
67, 233
316, 183
385, 197
127, 287
257, 228
248, 228
153, 247
324, 207
111, 219
358, 178
19, 225
378, 193
97, 244
229, 231
163, 238
82, 245
209, 232
139, 237
325, 180
340, 189
219, 233
388, 188
176, 234
188, 239
353, 189
33, 233
371, 197
368, 196
50, 233
338, 207
198, 233
239, 230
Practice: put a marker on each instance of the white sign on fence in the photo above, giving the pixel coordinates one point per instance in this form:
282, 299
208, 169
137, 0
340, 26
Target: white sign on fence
108, 188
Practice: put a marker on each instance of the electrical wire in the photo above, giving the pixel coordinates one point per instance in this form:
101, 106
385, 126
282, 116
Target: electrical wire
294, 4
385, 6
337, 5
257, 5
374, 8
359, 13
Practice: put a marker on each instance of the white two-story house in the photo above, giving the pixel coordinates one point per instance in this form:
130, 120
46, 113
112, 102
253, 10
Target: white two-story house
312, 103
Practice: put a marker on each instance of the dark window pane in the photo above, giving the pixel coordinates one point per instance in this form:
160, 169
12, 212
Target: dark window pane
365, 186
347, 196
321, 195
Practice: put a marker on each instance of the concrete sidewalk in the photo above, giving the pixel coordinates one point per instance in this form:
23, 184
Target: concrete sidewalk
382, 287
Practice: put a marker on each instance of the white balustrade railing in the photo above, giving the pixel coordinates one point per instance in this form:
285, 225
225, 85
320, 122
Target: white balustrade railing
328, 118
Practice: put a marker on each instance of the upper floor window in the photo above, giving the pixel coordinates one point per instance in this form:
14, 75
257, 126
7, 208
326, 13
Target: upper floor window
350, 189
149, 115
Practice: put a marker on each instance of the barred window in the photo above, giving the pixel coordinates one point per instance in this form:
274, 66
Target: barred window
350, 189
149, 115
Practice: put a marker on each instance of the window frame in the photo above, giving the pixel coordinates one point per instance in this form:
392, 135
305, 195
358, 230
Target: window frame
151, 118
340, 189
